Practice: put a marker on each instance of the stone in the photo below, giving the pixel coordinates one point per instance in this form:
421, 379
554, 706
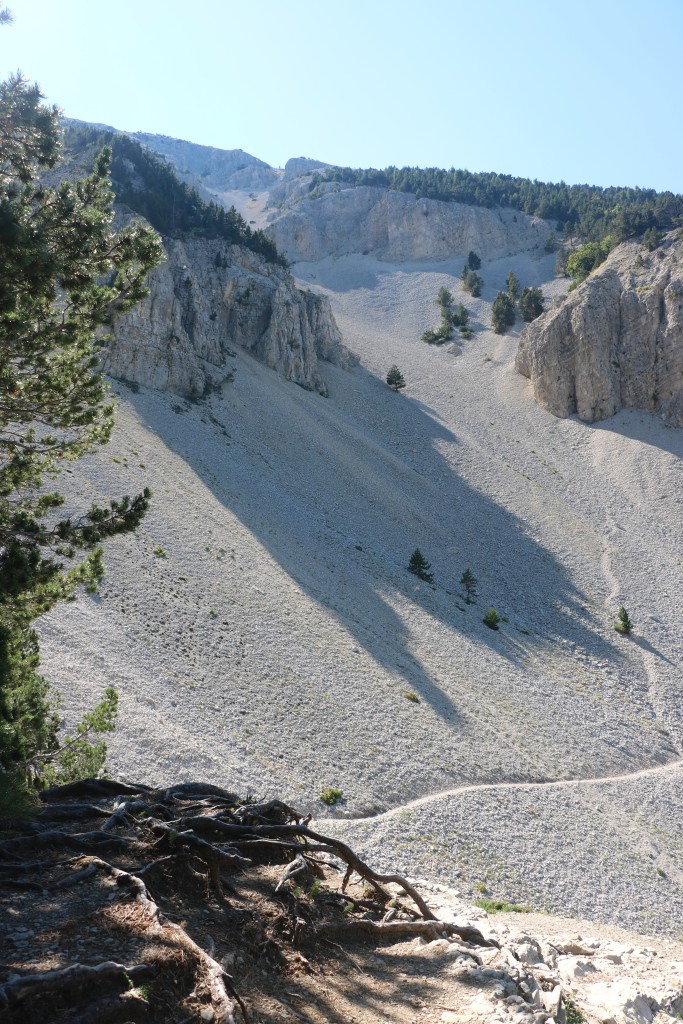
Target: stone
528, 951
180, 338
616, 342
393, 226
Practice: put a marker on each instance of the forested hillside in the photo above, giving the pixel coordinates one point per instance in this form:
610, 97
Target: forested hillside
149, 186
589, 211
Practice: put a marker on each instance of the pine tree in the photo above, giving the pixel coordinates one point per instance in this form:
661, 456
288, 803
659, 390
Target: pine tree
512, 282
63, 275
419, 566
530, 304
395, 379
624, 625
468, 582
473, 261
503, 311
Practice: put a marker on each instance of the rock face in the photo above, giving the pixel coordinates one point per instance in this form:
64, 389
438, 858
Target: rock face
208, 297
334, 219
616, 342
298, 165
220, 169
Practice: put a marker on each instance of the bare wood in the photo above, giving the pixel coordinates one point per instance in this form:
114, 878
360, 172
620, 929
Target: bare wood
397, 930
30, 986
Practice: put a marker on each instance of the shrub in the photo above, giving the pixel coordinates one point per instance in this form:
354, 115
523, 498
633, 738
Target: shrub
491, 619
331, 796
586, 258
500, 906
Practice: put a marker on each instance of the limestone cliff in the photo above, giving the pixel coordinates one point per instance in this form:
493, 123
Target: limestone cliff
616, 342
213, 168
207, 297
335, 218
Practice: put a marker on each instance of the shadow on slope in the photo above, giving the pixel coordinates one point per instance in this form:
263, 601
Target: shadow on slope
340, 491
645, 427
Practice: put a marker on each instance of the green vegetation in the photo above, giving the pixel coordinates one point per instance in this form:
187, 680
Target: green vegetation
512, 282
419, 566
503, 312
572, 1011
395, 379
148, 185
500, 906
530, 304
331, 796
409, 695
468, 582
624, 625
473, 261
652, 238
472, 281
491, 619
587, 211
450, 319
63, 275
585, 259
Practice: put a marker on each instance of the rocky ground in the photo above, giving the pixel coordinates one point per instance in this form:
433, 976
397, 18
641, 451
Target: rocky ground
264, 633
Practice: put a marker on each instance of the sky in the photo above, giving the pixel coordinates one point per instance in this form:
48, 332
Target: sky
583, 91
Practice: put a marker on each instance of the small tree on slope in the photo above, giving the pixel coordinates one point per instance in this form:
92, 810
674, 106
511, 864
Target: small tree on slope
395, 379
419, 566
63, 274
468, 582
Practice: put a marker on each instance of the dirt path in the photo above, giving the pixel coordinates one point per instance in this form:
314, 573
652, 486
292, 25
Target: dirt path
505, 786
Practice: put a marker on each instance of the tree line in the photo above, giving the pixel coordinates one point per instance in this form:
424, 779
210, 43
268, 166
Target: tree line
588, 211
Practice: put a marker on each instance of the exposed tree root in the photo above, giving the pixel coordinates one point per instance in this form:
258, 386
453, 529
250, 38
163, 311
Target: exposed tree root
69, 979
194, 842
397, 930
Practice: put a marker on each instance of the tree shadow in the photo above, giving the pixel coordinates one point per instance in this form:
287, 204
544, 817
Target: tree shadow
340, 491
646, 646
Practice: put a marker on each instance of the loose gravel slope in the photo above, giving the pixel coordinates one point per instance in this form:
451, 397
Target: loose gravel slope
264, 633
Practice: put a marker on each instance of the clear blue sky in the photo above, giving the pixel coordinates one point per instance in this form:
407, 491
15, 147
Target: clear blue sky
584, 91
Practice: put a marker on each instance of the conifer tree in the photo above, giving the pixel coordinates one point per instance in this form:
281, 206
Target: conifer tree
468, 582
63, 275
531, 304
512, 282
503, 312
395, 379
419, 566
624, 625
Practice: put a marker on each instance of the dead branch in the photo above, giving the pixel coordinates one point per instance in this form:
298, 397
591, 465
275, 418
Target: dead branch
67, 979
393, 930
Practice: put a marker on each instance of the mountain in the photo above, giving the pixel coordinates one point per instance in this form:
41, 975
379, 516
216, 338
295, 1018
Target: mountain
221, 284
263, 629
